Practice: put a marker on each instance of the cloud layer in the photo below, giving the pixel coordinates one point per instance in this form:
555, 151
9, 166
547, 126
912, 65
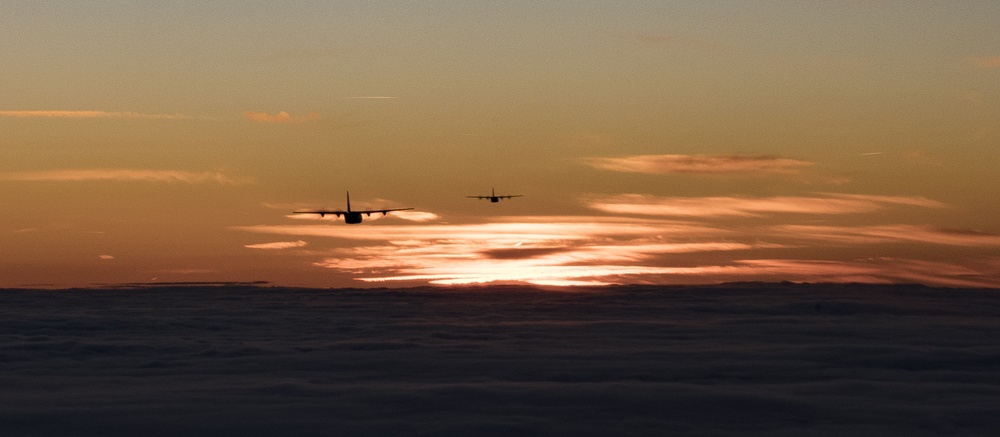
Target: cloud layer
537, 250
605, 250
212, 359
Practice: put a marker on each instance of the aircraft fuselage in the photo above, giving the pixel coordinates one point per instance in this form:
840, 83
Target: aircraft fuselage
352, 218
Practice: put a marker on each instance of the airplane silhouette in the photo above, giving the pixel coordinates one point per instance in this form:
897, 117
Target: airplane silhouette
350, 217
494, 198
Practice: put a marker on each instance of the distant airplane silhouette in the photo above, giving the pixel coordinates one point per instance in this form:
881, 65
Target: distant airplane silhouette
351, 217
494, 198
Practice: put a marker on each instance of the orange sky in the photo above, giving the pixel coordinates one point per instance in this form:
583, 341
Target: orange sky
654, 142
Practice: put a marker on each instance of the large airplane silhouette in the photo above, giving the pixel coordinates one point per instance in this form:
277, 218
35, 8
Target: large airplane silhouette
494, 198
350, 217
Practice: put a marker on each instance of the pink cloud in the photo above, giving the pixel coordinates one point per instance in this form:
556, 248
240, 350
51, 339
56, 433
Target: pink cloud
277, 245
698, 164
281, 117
416, 216
751, 207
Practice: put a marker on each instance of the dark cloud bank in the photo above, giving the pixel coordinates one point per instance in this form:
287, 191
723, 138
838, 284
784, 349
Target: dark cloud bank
752, 359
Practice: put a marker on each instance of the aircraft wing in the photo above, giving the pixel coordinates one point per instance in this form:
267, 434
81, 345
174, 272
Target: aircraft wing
383, 211
321, 212
506, 196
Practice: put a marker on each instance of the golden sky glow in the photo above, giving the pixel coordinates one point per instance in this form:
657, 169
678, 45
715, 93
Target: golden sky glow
653, 141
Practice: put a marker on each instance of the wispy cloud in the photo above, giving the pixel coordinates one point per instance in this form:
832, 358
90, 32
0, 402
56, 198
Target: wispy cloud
699, 164
278, 245
121, 175
91, 114
890, 233
750, 206
281, 117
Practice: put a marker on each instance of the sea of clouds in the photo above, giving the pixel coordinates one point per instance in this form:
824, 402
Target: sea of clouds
739, 359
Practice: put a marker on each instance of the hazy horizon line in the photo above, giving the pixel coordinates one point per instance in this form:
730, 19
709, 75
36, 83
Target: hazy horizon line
267, 285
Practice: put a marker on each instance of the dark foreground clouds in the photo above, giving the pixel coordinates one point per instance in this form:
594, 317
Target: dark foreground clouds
734, 360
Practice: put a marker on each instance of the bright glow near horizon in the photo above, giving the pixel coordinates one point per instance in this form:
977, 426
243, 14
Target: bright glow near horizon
654, 141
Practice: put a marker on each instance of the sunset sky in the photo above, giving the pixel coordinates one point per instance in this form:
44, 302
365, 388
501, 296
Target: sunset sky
662, 142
